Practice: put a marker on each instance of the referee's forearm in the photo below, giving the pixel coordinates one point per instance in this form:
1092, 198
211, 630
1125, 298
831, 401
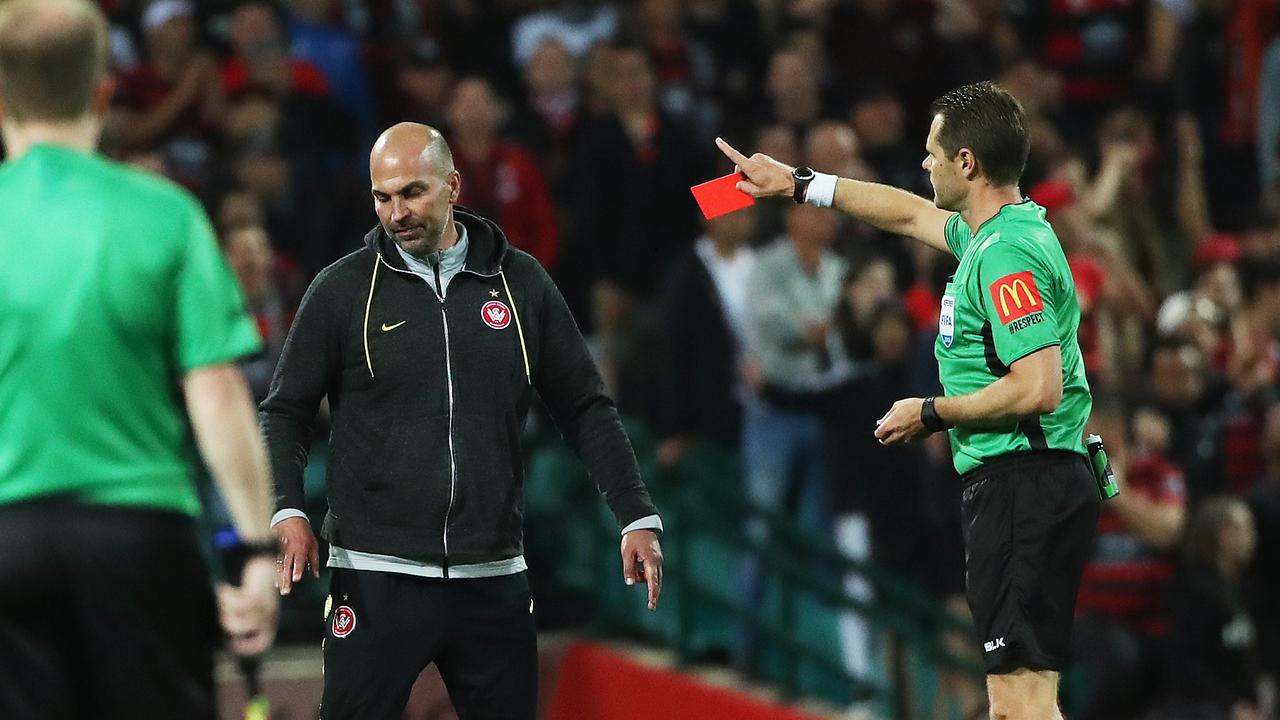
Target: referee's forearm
226, 431
892, 210
1006, 399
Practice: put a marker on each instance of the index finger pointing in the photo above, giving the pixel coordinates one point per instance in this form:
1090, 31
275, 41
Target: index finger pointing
738, 158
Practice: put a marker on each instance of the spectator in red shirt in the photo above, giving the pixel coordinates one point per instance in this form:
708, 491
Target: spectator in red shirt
1093, 45
1252, 370
1113, 296
683, 66
634, 168
552, 115
1090, 278
260, 57
249, 253
551, 84
172, 102
889, 43
503, 180
172, 93
1123, 620
1206, 311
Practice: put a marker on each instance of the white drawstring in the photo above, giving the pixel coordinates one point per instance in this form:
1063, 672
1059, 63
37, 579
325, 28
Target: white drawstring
524, 352
368, 359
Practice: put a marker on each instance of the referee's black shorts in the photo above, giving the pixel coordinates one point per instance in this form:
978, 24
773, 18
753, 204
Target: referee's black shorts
1029, 525
104, 613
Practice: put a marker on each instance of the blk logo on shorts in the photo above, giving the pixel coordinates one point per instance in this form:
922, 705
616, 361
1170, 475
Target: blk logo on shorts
496, 315
992, 645
344, 621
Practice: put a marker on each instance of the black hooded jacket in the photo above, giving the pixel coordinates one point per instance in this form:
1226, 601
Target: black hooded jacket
428, 397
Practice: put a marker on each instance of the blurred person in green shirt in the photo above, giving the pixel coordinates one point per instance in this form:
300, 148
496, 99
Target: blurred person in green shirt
119, 323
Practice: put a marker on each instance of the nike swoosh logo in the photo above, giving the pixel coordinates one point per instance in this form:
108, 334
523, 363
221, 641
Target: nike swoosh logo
386, 327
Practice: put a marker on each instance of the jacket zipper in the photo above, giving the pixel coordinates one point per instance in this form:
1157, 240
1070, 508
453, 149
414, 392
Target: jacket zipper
448, 370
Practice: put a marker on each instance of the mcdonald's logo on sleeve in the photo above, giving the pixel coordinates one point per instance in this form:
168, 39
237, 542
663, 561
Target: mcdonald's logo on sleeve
1015, 296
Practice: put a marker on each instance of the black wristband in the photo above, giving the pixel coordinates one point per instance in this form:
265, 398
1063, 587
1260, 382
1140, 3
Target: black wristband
261, 548
235, 556
265, 547
930, 418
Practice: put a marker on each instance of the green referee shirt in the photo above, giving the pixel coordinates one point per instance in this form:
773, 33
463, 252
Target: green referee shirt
1011, 295
111, 288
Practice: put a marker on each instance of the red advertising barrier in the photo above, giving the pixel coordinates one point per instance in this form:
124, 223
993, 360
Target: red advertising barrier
595, 683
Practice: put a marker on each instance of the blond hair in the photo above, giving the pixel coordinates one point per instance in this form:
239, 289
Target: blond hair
53, 53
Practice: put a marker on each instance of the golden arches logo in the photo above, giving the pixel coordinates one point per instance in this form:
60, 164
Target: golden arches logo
1010, 290
1016, 295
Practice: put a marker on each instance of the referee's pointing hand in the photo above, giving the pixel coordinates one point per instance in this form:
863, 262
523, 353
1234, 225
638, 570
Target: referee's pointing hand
642, 560
762, 175
902, 423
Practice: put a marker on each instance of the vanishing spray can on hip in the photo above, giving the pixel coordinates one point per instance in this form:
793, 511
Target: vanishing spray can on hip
1102, 471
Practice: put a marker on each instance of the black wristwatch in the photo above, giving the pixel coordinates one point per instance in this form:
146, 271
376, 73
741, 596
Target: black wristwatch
802, 176
929, 416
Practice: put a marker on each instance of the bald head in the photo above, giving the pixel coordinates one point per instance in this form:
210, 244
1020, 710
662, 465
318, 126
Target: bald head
53, 58
414, 187
411, 147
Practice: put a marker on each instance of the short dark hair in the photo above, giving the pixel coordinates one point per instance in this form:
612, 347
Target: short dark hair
52, 55
985, 118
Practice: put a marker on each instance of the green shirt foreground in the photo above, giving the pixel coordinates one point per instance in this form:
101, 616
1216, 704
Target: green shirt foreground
111, 288
1012, 295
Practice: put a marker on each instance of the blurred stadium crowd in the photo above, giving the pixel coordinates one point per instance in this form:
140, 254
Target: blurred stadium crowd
784, 331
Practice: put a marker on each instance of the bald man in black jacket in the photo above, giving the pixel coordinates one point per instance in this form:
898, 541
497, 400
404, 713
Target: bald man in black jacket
430, 342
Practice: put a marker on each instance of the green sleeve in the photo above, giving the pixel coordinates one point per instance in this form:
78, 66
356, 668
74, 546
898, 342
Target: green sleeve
957, 235
212, 325
1017, 294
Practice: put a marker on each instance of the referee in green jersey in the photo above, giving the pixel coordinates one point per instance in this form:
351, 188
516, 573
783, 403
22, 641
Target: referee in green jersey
1016, 397
116, 309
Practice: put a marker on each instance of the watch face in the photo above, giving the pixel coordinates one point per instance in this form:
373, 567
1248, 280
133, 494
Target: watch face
803, 173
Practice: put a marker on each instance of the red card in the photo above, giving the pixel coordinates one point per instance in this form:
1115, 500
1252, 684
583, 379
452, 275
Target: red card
720, 196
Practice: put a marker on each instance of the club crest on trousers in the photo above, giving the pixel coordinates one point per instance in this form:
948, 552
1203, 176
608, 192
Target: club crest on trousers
344, 621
